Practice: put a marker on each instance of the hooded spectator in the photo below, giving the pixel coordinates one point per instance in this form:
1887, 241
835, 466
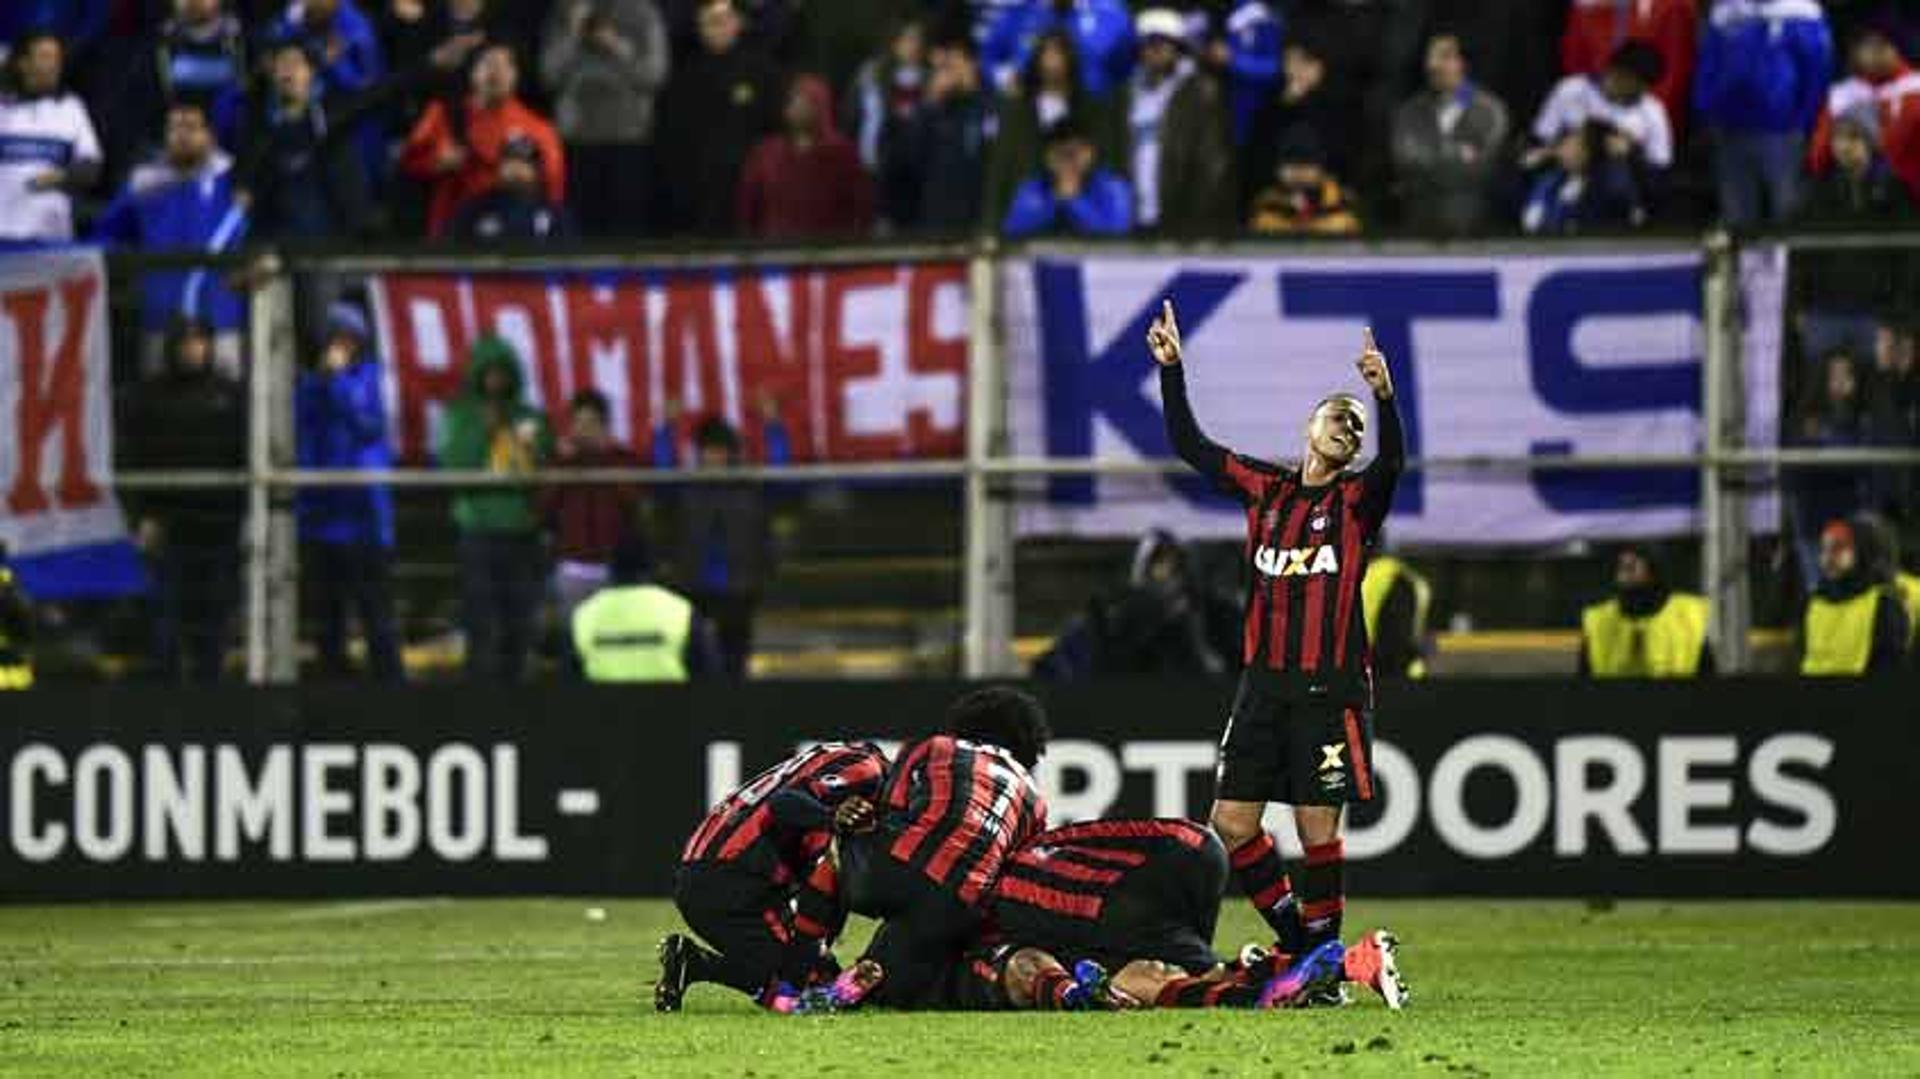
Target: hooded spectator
1049, 91
189, 417
1074, 195
1304, 105
937, 159
724, 97
1620, 96
491, 427
517, 207
1645, 629
1447, 143
1303, 196
605, 62
457, 144
52, 152
807, 180
1590, 186
1858, 189
181, 202
1179, 159
1880, 80
1764, 68
1596, 29
1101, 32
1855, 623
340, 424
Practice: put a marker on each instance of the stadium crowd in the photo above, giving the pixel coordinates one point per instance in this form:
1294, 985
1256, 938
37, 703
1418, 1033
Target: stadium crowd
203, 126
486, 120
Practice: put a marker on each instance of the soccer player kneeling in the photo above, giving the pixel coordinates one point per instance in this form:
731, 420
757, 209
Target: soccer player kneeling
754, 881
925, 855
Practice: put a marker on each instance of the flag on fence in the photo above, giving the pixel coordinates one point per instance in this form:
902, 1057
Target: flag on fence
58, 515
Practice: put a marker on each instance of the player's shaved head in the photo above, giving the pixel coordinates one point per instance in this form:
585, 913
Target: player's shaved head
1335, 428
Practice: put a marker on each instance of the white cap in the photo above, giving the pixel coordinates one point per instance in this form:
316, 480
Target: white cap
1160, 22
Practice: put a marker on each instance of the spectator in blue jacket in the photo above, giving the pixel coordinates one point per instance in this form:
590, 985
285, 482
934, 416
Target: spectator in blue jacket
1075, 196
1102, 33
347, 48
340, 423
1248, 51
1759, 87
183, 201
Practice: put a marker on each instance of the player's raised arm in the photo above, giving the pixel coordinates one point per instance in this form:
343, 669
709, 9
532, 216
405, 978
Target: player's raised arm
1390, 453
1241, 475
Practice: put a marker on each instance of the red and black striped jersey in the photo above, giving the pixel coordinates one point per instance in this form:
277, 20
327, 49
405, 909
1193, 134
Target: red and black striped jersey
742, 830
1073, 871
1307, 549
954, 809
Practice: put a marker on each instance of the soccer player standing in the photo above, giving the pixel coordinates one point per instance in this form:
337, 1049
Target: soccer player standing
1300, 732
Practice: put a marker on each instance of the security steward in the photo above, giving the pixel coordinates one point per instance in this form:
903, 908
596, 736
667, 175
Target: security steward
16, 631
1646, 630
1855, 623
635, 630
1396, 599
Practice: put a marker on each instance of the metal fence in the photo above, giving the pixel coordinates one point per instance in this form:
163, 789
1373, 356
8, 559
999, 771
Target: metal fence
988, 475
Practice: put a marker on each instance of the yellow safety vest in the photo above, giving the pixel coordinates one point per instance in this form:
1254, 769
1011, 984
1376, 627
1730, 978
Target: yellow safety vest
1665, 644
1838, 637
1908, 587
1382, 573
633, 633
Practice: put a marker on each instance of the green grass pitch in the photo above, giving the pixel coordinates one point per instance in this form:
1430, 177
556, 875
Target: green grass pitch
534, 987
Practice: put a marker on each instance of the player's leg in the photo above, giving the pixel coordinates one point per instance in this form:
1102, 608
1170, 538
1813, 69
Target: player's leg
737, 916
1037, 981
1253, 768
1331, 753
1165, 985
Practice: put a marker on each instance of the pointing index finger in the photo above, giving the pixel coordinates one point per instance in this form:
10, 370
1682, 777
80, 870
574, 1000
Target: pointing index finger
1366, 340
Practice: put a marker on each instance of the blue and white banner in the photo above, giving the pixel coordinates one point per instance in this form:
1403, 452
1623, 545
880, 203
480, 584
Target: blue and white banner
58, 515
1517, 355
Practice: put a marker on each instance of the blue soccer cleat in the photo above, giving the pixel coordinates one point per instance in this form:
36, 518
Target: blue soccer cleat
1319, 968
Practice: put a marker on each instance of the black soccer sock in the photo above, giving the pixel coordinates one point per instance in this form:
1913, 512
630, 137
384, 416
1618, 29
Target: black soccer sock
1256, 865
1323, 892
1200, 993
1050, 990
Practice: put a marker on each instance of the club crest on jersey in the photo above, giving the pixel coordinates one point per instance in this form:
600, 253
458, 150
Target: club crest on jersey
1296, 561
1319, 523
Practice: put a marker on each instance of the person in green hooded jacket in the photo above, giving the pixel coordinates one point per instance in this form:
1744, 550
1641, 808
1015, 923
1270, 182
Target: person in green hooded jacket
491, 427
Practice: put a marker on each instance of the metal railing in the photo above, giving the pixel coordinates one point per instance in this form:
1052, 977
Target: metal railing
1727, 466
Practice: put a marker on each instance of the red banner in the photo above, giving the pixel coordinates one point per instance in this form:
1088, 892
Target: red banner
862, 363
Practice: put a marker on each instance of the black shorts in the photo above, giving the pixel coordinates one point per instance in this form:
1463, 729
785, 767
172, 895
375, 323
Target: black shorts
748, 920
1278, 748
1166, 909
926, 926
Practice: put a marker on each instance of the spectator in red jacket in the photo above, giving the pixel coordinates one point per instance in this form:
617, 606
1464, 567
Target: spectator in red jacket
589, 521
1881, 81
456, 147
807, 180
1595, 28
